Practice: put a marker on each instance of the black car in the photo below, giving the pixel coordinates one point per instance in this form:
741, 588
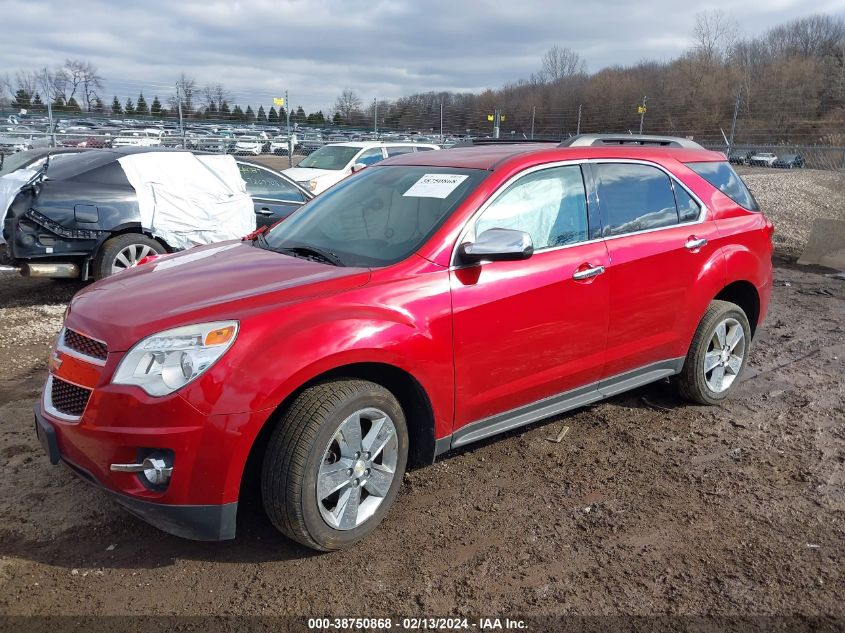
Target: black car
740, 157
82, 219
789, 161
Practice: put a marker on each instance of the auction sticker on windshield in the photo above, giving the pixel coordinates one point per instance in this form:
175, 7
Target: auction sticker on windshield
434, 186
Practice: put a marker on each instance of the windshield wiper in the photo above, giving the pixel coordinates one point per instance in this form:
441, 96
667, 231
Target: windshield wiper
313, 253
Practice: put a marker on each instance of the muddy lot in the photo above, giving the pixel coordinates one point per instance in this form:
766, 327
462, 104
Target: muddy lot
648, 506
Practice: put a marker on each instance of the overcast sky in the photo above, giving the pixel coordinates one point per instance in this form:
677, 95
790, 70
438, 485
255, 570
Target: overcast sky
379, 48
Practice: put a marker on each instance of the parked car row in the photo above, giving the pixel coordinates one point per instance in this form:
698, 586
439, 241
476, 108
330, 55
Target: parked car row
765, 159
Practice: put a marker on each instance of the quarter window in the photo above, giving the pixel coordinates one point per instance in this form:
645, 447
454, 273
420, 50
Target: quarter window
688, 209
550, 205
635, 198
722, 176
396, 150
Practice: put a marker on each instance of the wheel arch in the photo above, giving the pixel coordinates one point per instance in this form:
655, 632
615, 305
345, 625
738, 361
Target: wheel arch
410, 393
744, 294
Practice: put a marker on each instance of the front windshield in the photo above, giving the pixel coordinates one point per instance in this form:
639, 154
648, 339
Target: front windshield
377, 217
330, 157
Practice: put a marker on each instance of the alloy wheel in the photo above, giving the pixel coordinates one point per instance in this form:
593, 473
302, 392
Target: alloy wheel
130, 256
357, 469
725, 355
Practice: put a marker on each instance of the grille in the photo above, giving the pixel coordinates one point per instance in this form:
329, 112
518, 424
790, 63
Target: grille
67, 398
85, 345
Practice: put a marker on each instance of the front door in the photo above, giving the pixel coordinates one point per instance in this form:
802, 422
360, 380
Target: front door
531, 329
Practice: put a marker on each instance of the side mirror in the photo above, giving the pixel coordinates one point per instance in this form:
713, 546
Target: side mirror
358, 167
497, 245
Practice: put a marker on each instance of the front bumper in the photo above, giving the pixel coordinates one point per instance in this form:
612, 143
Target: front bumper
201, 522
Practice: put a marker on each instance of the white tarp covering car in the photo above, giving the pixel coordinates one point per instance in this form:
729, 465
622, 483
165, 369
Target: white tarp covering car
188, 200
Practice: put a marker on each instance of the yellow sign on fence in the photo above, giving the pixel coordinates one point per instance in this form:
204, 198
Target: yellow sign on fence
640, 109
278, 101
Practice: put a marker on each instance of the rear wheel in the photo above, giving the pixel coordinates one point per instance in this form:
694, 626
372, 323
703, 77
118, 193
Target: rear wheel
124, 251
334, 464
717, 356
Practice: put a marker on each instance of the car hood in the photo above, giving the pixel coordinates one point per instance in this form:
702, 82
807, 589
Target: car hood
304, 174
230, 280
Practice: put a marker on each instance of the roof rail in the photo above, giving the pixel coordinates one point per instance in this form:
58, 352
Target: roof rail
471, 142
599, 140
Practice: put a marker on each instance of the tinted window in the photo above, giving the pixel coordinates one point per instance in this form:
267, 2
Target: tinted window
370, 156
375, 218
722, 176
424, 149
261, 183
635, 198
550, 205
688, 209
399, 149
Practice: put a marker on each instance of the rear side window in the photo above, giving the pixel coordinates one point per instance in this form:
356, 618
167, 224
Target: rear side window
635, 198
722, 176
398, 149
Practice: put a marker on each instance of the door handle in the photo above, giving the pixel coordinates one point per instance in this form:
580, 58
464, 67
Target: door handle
587, 273
693, 243
264, 211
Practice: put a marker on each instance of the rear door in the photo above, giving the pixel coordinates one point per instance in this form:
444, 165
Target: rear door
274, 196
658, 244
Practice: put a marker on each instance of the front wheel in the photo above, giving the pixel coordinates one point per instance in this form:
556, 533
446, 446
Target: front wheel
334, 464
717, 356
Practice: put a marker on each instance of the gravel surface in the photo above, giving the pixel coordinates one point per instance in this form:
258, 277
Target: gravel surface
793, 199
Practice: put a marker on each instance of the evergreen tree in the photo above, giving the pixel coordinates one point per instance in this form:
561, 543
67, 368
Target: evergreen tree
37, 104
211, 110
225, 112
22, 99
337, 119
73, 106
250, 115
129, 108
283, 115
141, 107
261, 116
99, 106
299, 117
237, 113
316, 118
155, 108
273, 117
115, 106
59, 104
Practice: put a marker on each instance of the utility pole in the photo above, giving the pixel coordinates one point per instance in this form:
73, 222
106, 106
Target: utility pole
290, 138
375, 116
441, 121
496, 116
179, 106
578, 130
642, 114
49, 109
533, 114
733, 121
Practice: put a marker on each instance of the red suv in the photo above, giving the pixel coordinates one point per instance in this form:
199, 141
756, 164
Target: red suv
427, 302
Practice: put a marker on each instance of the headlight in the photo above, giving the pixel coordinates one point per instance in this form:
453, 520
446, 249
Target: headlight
164, 362
312, 185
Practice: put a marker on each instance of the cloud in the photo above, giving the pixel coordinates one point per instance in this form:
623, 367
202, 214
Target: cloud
380, 48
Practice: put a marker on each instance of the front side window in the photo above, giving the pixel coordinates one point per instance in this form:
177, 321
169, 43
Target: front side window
722, 176
550, 205
370, 157
261, 183
634, 198
377, 217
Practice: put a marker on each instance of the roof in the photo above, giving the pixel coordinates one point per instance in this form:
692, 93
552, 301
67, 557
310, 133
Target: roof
367, 144
490, 157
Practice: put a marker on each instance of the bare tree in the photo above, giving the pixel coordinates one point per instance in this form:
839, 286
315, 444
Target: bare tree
714, 35
560, 63
347, 103
213, 96
186, 87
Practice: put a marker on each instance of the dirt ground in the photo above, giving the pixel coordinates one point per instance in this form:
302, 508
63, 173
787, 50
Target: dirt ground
649, 506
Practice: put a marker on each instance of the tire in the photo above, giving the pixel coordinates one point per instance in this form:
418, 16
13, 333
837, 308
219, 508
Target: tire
697, 384
307, 441
109, 260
